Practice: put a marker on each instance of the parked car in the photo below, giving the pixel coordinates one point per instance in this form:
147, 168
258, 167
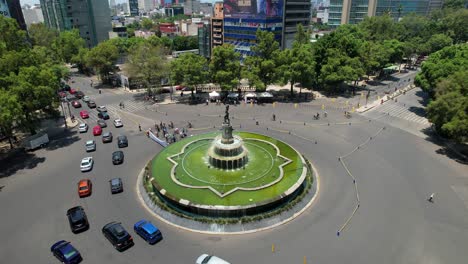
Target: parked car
147, 231
85, 187
122, 141
209, 259
76, 104
86, 164
65, 252
118, 236
77, 219
79, 94
83, 128
62, 94
116, 185
103, 115
72, 91
107, 137
180, 88
101, 108
102, 123
118, 123
90, 145
97, 130
117, 157
91, 104
86, 99
35, 141
84, 114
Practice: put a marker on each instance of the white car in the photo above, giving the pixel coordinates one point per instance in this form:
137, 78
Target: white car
101, 108
86, 99
118, 123
83, 128
208, 259
86, 164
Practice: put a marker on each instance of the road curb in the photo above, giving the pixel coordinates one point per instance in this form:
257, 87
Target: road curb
388, 97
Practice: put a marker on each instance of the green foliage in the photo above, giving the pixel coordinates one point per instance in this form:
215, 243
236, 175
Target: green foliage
184, 43
146, 62
68, 44
225, 66
147, 23
190, 70
41, 35
102, 59
11, 37
454, 4
10, 110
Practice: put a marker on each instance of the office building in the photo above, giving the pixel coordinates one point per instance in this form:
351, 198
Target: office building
33, 15
217, 35
133, 8
191, 7
12, 8
354, 11
146, 5
90, 17
174, 11
204, 41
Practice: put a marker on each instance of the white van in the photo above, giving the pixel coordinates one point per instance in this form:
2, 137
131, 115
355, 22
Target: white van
208, 259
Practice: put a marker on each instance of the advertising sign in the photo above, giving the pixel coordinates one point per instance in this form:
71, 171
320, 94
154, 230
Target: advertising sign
253, 8
4, 8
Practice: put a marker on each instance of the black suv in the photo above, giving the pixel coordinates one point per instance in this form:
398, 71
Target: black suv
116, 185
107, 137
122, 141
79, 94
117, 157
118, 236
78, 220
103, 115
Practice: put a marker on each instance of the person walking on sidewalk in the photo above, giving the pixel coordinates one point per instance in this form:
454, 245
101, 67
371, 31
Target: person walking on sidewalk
139, 127
431, 198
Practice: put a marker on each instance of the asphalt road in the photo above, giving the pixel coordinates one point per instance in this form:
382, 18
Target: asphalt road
395, 173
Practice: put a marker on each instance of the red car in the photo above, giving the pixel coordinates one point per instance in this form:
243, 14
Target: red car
180, 88
62, 94
76, 104
85, 187
97, 130
72, 91
84, 114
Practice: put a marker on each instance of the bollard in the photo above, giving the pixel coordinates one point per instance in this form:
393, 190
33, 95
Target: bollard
273, 248
305, 260
338, 233
256, 123
304, 123
316, 142
280, 121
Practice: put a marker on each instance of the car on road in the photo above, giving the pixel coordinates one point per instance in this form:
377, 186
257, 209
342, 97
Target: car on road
118, 123
97, 130
107, 137
85, 187
101, 123
79, 94
209, 259
122, 141
76, 104
77, 219
116, 185
149, 232
118, 236
86, 99
180, 88
84, 114
91, 104
83, 128
101, 108
117, 157
103, 115
90, 145
72, 91
86, 164
65, 252
62, 94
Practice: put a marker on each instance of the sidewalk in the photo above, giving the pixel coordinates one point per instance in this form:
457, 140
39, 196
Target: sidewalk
385, 98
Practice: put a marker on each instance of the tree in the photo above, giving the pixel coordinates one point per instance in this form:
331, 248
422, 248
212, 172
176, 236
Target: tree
261, 66
41, 35
147, 23
340, 68
12, 37
454, 4
302, 36
191, 70
225, 66
68, 44
10, 110
102, 59
379, 28
148, 63
80, 59
455, 25
438, 42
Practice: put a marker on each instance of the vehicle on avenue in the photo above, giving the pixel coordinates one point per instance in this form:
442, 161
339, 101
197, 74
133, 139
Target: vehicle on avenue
79, 94
90, 145
149, 232
76, 104
65, 252
107, 137
85, 187
72, 91
35, 141
77, 219
101, 108
118, 236
122, 141
83, 128
101, 123
86, 164
84, 114
116, 185
91, 104
86, 99
117, 157
103, 115
209, 259
118, 123
180, 88
97, 130
62, 94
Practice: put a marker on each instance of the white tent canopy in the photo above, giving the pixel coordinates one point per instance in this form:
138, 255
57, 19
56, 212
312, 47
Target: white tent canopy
213, 94
265, 95
250, 95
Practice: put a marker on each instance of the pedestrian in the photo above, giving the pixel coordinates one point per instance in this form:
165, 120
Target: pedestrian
325, 114
91, 83
99, 91
172, 125
139, 127
431, 198
274, 117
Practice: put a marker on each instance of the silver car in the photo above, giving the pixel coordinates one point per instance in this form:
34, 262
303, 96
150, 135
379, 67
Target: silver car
118, 123
83, 128
90, 145
86, 164
101, 108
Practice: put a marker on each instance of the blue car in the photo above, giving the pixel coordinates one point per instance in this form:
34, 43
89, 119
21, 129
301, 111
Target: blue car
147, 231
66, 253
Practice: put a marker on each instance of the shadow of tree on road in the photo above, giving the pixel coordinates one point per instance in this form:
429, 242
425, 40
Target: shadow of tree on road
18, 161
64, 139
444, 148
420, 111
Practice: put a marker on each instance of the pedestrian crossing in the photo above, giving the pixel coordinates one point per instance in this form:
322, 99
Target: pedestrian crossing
397, 110
131, 106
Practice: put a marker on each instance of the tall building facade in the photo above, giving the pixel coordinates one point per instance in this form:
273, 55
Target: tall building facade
354, 11
133, 7
204, 41
296, 12
33, 15
146, 5
90, 17
12, 8
217, 35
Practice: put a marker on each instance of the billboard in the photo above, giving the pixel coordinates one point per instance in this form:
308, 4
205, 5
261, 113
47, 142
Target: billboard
253, 8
